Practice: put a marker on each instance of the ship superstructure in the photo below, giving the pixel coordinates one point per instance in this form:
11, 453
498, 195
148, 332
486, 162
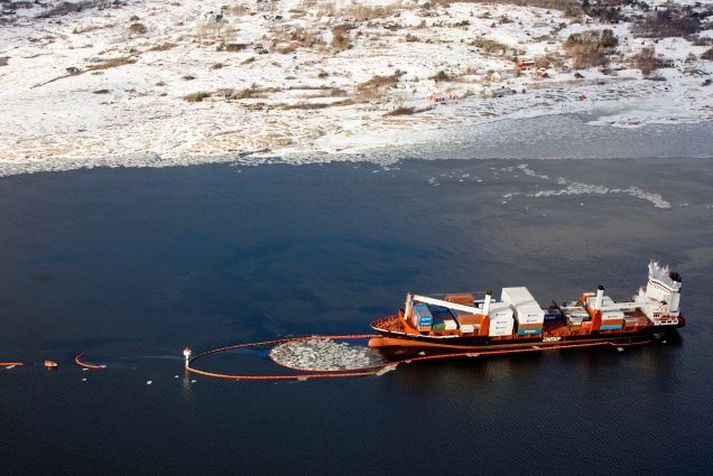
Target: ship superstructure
465, 320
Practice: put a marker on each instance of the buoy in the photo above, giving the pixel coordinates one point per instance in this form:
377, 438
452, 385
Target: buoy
620, 349
187, 355
51, 364
149, 382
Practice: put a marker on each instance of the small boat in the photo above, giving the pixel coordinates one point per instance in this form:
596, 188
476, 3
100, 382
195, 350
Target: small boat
51, 364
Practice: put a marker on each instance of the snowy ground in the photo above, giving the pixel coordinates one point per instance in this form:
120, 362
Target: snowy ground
286, 89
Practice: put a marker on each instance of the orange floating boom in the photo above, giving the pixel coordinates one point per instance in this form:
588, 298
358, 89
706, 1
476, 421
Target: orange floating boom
86, 365
370, 370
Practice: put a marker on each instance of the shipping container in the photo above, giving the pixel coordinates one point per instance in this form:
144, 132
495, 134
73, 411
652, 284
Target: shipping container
612, 315
501, 320
553, 315
438, 326
439, 312
464, 318
525, 307
466, 299
610, 327
422, 317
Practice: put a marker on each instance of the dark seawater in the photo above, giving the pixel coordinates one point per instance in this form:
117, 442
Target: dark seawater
130, 265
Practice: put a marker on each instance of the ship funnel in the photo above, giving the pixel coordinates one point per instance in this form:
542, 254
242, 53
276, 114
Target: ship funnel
486, 304
600, 297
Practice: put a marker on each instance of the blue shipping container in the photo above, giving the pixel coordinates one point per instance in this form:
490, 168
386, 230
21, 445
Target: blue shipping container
610, 327
422, 316
529, 331
553, 315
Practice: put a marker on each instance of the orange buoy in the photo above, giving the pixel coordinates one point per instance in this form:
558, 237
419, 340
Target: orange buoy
51, 364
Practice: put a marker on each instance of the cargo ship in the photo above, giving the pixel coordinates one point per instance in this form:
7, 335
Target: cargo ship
469, 321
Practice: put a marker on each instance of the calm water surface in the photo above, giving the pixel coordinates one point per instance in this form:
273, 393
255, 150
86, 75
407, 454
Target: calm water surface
131, 265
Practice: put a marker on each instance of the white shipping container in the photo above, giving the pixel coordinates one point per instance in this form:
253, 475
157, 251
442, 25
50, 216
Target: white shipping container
527, 310
519, 296
530, 316
450, 324
501, 320
467, 328
612, 315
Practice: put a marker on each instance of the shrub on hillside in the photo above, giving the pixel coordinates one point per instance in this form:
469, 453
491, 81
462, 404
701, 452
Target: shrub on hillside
137, 29
340, 37
590, 48
646, 61
672, 21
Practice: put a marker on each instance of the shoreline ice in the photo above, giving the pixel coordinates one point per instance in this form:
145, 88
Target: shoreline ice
306, 104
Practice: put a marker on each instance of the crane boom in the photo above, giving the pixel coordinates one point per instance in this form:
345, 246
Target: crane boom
447, 304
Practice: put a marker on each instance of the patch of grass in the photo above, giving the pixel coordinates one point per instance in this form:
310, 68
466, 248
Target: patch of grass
90, 28
138, 29
646, 61
316, 105
375, 86
232, 47
251, 92
196, 97
340, 37
490, 47
590, 48
402, 111
673, 20
570, 8
188, 77
217, 66
361, 12
441, 76
549, 60
113, 63
162, 47
291, 38
65, 8
708, 55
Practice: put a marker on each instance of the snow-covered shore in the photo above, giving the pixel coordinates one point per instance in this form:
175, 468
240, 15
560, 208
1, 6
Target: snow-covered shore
151, 83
